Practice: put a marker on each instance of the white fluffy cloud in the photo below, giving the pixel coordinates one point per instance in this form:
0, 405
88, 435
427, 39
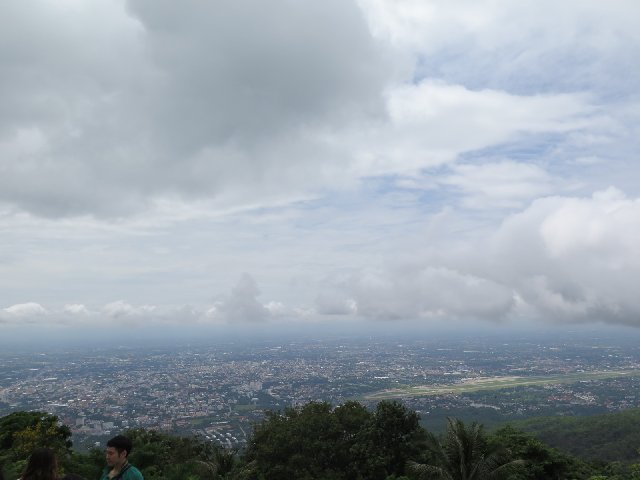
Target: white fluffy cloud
526, 46
561, 259
122, 309
575, 258
431, 123
76, 309
24, 311
505, 184
242, 304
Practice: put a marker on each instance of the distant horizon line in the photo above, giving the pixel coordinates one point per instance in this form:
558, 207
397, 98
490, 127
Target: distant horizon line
118, 336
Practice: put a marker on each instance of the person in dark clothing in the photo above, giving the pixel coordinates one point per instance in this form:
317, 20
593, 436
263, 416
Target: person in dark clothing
42, 465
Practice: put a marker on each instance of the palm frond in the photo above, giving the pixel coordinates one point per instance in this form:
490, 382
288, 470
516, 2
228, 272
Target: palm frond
428, 472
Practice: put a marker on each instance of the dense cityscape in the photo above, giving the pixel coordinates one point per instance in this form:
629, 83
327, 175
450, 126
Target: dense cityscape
218, 391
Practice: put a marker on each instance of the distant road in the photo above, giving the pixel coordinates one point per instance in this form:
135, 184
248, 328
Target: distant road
496, 383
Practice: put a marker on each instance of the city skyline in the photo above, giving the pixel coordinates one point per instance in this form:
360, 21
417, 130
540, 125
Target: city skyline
242, 165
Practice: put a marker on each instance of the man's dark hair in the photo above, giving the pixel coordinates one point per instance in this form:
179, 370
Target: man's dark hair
121, 443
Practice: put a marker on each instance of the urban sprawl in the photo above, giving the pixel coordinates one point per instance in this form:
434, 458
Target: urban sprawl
219, 391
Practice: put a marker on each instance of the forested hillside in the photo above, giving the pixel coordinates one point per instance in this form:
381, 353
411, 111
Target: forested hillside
610, 437
349, 442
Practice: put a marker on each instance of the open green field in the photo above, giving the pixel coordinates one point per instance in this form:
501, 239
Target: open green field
247, 408
496, 383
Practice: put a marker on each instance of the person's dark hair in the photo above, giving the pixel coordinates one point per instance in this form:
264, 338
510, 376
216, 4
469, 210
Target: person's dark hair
42, 465
121, 443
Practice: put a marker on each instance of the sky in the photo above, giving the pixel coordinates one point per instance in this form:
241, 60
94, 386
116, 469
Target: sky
250, 164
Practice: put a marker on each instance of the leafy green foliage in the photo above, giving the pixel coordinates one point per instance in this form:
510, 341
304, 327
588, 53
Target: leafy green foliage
23, 432
540, 462
465, 453
158, 455
348, 442
88, 465
610, 437
162, 456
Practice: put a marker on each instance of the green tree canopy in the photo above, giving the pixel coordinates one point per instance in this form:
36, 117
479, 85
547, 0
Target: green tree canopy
464, 454
541, 462
22, 432
29, 430
168, 457
318, 442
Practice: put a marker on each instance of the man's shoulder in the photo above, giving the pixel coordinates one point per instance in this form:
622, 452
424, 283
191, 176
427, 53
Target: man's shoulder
132, 473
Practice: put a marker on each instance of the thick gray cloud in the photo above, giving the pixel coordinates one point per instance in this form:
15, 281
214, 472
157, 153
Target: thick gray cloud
245, 70
432, 293
107, 108
334, 302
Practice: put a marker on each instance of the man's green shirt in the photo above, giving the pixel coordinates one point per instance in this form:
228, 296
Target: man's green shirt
129, 472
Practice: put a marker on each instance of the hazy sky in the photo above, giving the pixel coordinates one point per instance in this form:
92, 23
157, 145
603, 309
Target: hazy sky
214, 163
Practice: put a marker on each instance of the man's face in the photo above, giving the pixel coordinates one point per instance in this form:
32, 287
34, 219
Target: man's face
115, 458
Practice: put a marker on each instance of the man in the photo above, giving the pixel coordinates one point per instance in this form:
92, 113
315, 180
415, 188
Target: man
118, 466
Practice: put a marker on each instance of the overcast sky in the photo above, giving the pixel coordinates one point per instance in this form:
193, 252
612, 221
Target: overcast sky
218, 163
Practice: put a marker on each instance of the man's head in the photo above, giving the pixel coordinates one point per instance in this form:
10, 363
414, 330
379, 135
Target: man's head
118, 449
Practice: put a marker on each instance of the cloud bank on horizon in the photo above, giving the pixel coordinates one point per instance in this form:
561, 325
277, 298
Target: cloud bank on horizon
205, 164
